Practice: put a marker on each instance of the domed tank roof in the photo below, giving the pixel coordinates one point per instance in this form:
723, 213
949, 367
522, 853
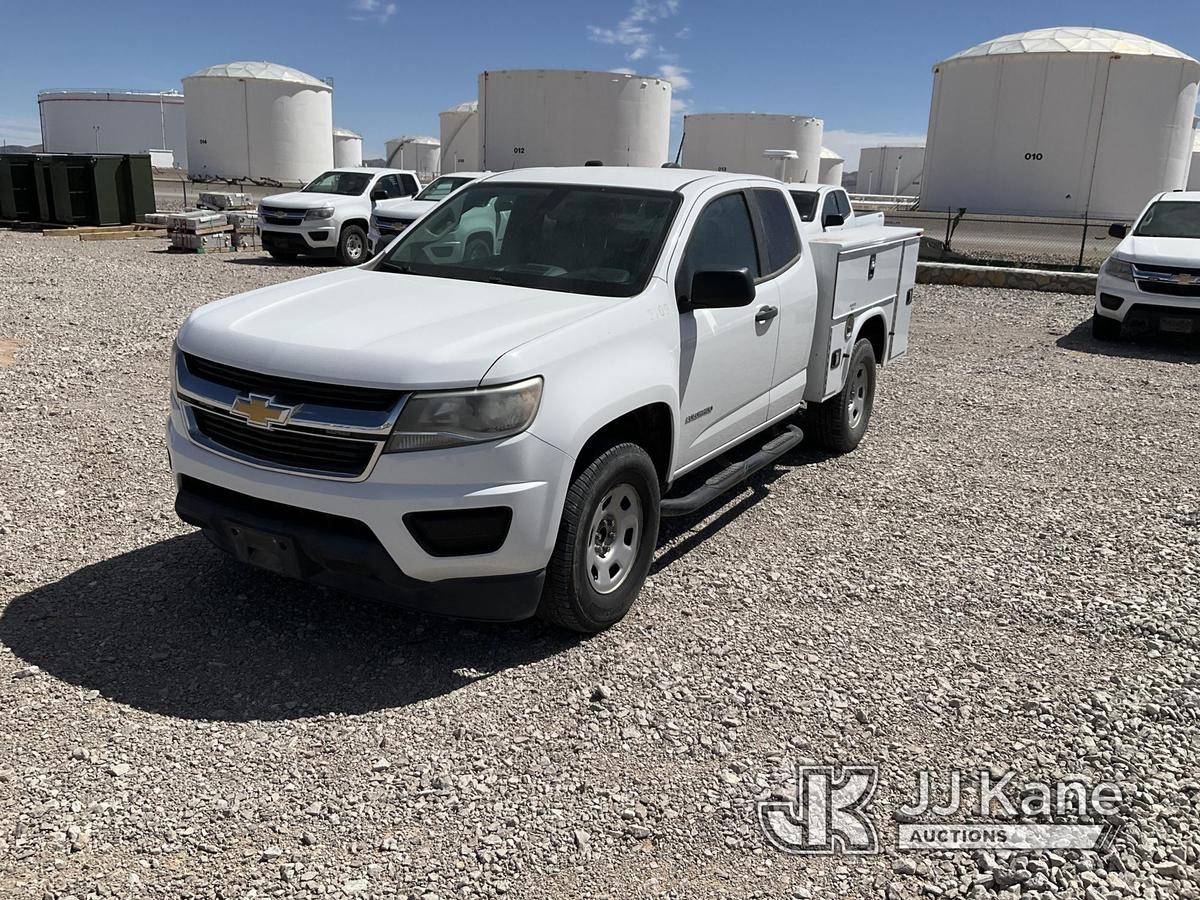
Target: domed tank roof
1072, 40
254, 70
346, 133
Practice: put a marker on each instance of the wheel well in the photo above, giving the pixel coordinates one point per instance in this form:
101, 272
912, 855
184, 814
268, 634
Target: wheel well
875, 331
648, 426
480, 234
361, 223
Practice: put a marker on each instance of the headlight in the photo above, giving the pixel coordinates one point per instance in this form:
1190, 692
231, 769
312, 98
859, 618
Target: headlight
323, 212
1118, 268
456, 418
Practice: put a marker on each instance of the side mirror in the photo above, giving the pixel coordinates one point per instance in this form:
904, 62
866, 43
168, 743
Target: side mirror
503, 204
833, 219
1118, 231
720, 288
378, 194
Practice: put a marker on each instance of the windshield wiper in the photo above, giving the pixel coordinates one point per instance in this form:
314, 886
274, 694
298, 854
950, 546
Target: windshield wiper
392, 267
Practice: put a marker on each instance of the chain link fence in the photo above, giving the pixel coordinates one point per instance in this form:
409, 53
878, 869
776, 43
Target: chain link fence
1079, 245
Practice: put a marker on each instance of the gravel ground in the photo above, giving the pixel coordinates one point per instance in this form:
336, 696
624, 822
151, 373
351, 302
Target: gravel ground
1005, 574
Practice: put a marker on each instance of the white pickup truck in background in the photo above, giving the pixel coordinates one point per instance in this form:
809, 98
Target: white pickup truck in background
330, 215
1152, 278
391, 217
824, 207
498, 437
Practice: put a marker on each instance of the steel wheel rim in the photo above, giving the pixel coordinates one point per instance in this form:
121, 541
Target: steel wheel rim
613, 538
858, 395
354, 246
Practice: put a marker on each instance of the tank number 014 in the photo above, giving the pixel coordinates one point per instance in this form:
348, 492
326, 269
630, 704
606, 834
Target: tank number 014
518, 149
1036, 157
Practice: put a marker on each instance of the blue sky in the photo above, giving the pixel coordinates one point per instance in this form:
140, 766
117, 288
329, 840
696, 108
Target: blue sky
863, 67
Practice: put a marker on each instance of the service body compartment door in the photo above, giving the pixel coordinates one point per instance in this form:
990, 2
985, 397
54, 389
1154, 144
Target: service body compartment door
902, 313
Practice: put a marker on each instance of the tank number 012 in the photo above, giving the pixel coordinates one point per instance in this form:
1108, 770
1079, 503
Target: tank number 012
518, 149
1036, 157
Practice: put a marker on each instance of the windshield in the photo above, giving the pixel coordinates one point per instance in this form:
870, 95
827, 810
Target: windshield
1171, 219
554, 237
806, 204
348, 184
441, 188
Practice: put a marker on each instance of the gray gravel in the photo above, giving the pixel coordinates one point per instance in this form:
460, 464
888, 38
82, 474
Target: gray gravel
1006, 573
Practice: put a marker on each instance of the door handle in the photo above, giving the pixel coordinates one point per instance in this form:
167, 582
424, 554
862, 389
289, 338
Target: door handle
765, 314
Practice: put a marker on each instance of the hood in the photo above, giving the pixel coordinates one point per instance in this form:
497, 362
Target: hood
379, 329
1158, 251
301, 200
407, 207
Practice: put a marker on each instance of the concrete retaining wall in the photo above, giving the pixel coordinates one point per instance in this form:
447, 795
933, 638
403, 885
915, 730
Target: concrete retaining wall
1018, 279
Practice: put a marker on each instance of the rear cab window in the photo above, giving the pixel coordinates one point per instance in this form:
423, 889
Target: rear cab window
781, 240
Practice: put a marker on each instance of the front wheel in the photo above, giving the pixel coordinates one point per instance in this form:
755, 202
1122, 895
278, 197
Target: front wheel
352, 247
606, 541
1104, 328
841, 421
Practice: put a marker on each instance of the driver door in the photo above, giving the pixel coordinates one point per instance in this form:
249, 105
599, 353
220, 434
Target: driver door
726, 356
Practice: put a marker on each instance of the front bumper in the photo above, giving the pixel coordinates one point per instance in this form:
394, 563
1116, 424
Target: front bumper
315, 238
523, 473
1124, 301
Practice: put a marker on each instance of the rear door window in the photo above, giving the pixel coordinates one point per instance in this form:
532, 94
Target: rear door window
779, 228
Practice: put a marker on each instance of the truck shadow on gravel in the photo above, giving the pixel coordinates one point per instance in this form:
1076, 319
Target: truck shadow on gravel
179, 629
1173, 348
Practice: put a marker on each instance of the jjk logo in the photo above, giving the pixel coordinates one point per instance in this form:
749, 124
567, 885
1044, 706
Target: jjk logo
829, 814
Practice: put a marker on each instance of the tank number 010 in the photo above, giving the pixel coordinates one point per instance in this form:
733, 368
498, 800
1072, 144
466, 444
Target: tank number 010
1036, 157
518, 149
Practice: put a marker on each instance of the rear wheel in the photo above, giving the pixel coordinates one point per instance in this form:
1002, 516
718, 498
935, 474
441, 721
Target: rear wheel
606, 541
841, 421
352, 246
1104, 328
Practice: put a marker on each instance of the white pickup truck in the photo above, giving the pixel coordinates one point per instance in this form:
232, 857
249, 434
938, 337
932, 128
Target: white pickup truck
499, 437
824, 208
1152, 278
391, 217
330, 215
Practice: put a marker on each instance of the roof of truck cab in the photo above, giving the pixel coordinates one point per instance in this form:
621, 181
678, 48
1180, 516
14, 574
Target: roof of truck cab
646, 178
368, 170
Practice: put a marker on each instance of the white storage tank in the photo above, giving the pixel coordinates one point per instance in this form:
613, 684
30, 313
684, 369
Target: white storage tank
460, 138
564, 117
1060, 122
833, 167
258, 120
347, 148
735, 142
417, 152
1193, 183
892, 171
113, 122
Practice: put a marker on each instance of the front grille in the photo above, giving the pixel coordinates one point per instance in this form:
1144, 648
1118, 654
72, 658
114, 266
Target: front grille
392, 226
291, 391
1167, 270
287, 447
1170, 289
277, 216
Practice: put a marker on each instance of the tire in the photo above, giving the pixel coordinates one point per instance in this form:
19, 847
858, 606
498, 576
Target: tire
282, 255
591, 582
352, 246
478, 247
1105, 329
840, 422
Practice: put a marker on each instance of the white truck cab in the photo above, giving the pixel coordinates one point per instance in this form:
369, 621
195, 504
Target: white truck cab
1152, 279
498, 437
824, 207
392, 216
330, 215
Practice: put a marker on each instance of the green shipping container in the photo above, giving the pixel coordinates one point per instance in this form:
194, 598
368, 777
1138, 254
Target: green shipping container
76, 189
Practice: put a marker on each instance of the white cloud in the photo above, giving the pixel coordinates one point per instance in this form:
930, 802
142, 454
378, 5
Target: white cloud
635, 32
680, 107
20, 130
678, 76
847, 144
372, 11
623, 71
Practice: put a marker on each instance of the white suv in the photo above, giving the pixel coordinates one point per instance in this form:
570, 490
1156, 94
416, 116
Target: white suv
392, 216
1152, 279
330, 215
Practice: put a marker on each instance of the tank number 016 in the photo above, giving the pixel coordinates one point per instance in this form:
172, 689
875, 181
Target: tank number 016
518, 149
1036, 157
